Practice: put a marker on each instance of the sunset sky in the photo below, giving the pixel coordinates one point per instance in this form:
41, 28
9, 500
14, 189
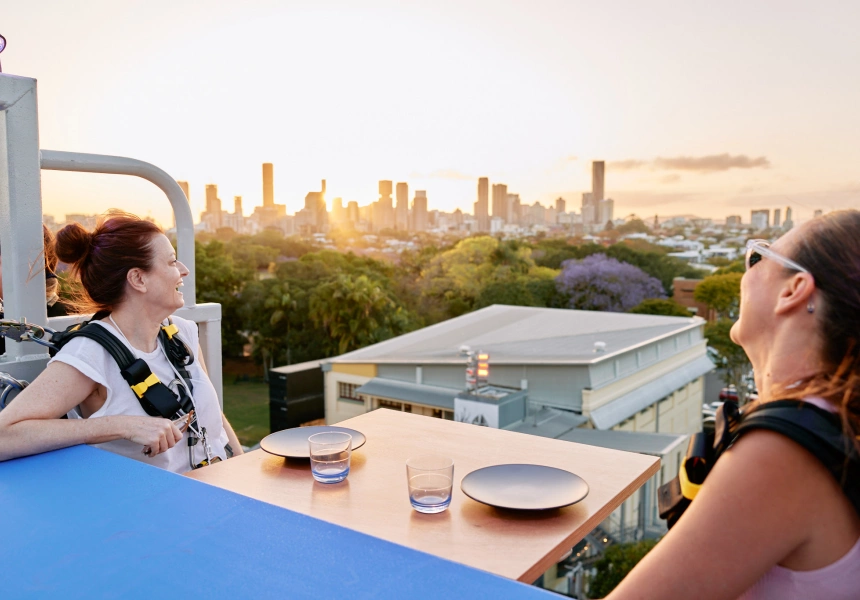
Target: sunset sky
698, 108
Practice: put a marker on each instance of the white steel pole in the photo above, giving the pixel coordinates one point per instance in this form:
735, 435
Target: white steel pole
120, 165
21, 237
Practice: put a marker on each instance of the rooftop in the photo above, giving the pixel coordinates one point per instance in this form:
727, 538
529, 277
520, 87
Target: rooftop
521, 334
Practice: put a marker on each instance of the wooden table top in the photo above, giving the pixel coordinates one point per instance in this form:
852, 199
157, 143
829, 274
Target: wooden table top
374, 499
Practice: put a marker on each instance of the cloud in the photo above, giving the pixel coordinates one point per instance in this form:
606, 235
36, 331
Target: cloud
700, 164
452, 174
713, 163
670, 178
627, 165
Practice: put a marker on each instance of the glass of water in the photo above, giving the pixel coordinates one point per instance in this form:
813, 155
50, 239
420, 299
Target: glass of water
430, 479
330, 452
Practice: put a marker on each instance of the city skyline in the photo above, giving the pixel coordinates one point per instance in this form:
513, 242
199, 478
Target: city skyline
708, 110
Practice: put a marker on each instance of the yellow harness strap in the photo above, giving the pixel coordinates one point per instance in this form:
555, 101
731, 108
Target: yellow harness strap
140, 388
688, 488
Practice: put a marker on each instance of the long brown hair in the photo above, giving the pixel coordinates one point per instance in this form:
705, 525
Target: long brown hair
830, 250
101, 259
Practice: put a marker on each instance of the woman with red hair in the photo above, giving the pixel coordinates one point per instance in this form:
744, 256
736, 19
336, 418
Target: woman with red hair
131, 279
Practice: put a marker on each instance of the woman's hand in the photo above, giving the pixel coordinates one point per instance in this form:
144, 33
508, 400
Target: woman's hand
155, 434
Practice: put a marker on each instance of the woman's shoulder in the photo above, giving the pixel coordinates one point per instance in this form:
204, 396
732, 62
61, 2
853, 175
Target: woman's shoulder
768, 463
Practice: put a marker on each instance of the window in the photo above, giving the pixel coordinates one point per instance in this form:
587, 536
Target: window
347, 392
393, 405
389, 404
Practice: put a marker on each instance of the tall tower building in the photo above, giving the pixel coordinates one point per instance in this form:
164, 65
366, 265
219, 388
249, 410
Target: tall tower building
237, 205
401, 210
598, 169
514, 209
419, 211
760, 219
213, 204
268, 184
184, 186
482, 206
383, 209
560, 205
605, 211
212, 214
777, 213
589, 209
314, 216
500, 201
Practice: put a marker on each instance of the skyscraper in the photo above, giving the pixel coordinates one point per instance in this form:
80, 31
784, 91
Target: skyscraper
268, 184
270, 214
598, 169
589, 210
514, 209
788, 223
776, 217
352, 213
482, 206
419, 211
605, 210
401, 211
500, 201
313, 218
383, 209
760, 219
560, 205
212, 215
184, 186
213, 204
237, 205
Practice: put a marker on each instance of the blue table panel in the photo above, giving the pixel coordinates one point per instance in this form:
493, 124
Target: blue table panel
84, 523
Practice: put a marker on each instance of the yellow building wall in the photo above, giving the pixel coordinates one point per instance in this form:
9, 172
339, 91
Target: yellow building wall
360, 369
337, 410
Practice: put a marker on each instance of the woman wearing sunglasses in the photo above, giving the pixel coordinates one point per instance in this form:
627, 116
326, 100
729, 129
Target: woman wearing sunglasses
771, 521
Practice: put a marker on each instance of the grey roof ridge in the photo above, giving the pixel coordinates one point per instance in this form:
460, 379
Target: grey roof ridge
423, 329
456, 360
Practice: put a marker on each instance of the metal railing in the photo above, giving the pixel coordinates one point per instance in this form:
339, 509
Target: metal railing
21, 162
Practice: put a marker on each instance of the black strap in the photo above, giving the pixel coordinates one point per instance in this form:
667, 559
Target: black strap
156, 399
106, 339
178, 353
818, 431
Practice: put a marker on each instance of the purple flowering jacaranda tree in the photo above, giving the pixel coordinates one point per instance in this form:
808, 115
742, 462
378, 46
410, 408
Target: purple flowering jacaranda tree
598, 282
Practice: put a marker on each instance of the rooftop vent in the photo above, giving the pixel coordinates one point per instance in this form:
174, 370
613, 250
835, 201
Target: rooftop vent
600, 346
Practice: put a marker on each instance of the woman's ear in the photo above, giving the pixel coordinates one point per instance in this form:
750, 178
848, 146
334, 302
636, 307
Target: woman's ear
136, 279
797, 293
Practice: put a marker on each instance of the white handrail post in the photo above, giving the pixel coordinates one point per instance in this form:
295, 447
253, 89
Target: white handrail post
21, 210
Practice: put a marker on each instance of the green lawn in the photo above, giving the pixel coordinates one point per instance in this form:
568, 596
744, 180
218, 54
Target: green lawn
246, 404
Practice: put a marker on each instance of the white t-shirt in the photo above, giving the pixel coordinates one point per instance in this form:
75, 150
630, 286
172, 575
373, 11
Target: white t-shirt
88, 357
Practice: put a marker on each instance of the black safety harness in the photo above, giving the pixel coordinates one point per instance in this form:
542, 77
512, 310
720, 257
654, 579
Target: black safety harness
817, 430
156, 399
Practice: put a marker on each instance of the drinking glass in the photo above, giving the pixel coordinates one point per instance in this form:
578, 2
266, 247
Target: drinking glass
330, 452
430, 479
